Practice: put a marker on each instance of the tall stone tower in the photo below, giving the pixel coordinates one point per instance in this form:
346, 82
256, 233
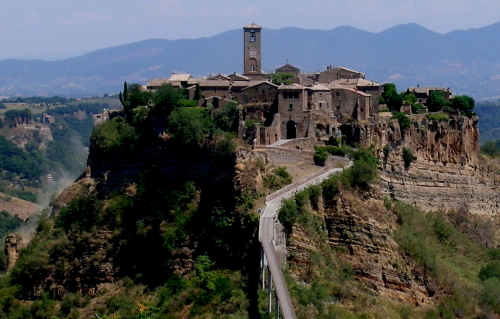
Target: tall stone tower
251, 50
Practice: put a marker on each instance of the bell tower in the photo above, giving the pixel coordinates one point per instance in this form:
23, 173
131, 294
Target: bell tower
251, 50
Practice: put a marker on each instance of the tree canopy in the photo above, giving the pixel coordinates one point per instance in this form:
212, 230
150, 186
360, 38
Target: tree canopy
463, 103
391, 96
435, 101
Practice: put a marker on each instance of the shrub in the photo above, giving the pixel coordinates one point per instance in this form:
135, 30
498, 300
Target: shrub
491, 270
320, 157
384, 110
407, 156
113, 137
438, 117
189, 126
334, 141
288, 213
224, 148
187, 103
251, 123
81, 214
277, 179
386, 150
403, 120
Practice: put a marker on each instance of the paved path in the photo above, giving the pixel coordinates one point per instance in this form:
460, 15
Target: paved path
266, 236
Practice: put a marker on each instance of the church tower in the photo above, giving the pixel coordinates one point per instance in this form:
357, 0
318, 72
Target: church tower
251, 50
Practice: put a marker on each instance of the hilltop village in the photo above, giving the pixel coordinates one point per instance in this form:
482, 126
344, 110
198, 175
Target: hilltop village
301, 105
305, 105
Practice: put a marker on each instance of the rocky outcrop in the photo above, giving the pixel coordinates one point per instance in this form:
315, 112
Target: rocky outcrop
11, 249
448, 171
359, 232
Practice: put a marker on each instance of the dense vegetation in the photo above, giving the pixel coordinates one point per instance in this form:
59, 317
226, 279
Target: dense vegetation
176, 246
22, 170
455, 251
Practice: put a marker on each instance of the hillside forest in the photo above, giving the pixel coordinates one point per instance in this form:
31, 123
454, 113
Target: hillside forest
147, 242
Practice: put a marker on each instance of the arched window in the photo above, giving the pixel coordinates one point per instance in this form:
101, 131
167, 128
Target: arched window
285, 95
295, 95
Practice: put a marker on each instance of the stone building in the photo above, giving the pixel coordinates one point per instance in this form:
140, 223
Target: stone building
422, 93
252, 51
316, 105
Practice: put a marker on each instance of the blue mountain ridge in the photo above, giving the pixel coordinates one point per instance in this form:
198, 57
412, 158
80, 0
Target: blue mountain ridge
468, 61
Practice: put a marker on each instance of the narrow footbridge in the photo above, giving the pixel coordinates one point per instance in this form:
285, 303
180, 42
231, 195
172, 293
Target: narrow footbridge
267, 236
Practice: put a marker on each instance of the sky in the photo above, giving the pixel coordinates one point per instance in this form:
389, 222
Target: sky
55, 29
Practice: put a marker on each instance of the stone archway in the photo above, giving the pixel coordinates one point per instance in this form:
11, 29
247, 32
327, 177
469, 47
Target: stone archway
291, 130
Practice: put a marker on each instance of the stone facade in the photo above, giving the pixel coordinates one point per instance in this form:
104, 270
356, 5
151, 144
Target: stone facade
315, 105
252, 50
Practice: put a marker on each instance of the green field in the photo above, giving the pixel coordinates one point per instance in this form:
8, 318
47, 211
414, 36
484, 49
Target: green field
36, 108
22, 106
113, 103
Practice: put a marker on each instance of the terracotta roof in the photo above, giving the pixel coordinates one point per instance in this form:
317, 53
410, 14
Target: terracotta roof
259, 83
357, 92
343, 83
219, 76
236, 76
157, 82
288, 66
350, 70
363, 82
252, 26
179, 77
320, 87
218, 83
246, 83
293, 86
425, 90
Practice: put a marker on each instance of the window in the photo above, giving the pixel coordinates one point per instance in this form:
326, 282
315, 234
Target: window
252, 35
285, 95
337, 93
252, 68
290, 107
321, 94
320, 105
295, 95
263, 92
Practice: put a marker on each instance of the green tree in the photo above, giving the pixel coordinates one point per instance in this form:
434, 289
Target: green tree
435, 101
132, 97
189, 125
281, 78
166, 98
391, 96
226, 119
463, 103
403, 120
407, 156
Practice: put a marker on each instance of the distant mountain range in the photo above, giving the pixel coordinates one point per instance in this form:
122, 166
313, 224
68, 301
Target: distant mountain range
407, 55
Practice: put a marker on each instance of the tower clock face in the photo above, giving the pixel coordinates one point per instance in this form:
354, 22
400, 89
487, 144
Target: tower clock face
253, 53
252, 36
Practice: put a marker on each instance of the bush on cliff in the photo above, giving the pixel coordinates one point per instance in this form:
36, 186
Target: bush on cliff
403, 120
114, 137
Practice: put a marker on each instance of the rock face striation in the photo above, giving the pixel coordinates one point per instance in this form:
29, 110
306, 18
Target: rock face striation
447, 173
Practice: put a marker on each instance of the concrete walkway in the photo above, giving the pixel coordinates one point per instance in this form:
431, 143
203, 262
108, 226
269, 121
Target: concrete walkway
267, 230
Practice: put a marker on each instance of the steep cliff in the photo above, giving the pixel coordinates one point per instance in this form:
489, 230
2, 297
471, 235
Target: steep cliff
448, 171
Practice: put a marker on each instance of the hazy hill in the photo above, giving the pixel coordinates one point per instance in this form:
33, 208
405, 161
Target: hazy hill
467, 61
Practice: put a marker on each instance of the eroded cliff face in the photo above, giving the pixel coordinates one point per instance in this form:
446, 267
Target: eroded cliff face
448, 171
359, 229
